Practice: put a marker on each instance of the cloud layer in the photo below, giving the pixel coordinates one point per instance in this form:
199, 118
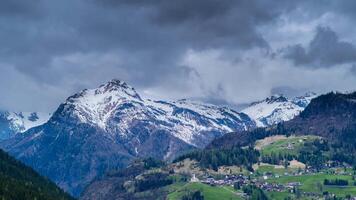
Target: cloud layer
325, 50
221, 51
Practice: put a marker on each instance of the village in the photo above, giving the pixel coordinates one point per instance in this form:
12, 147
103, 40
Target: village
238, 181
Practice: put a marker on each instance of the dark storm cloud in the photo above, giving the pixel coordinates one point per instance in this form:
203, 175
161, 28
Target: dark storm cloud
211, 23
325, 50
151, 35
19, 8
69, 45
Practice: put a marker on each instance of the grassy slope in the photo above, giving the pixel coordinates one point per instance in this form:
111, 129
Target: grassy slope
278, 195
309, 182
209, 192
280, 145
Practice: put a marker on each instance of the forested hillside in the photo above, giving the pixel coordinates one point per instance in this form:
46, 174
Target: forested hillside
19, 182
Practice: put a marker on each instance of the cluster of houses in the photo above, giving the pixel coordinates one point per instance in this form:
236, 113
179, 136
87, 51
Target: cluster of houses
271, 187
228, 180
243, 180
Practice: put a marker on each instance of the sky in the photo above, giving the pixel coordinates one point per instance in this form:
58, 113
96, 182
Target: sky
226, 52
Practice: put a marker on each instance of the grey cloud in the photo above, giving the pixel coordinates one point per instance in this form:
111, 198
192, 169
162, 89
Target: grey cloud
20, 8
151, 35
325, 50
69, 45
210, 23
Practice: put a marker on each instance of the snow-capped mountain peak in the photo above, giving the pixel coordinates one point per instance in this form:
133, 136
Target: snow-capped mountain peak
276, 98
277, 108
96, 106
19, 122
121, 87
115, 106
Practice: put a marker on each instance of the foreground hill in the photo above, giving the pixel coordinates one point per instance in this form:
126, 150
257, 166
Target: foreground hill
18, 182
105, 128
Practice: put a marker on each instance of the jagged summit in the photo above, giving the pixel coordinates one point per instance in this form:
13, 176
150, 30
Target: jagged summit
113, 87
276, 98
270, 100
116, 83
118, 86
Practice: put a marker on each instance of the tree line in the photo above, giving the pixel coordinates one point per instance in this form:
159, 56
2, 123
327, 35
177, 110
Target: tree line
214, 158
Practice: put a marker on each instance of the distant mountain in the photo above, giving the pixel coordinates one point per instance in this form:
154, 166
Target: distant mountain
19, 122
17, 181
277, 108
105, 128
331, 116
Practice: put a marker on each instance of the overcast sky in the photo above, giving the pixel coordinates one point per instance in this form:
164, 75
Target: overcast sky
220, 51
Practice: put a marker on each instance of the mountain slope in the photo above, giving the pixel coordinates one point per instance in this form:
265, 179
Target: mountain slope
277, 108
18, 181
13, 122
105, 128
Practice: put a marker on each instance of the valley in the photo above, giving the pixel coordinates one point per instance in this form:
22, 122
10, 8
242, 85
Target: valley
190, 177
125, 147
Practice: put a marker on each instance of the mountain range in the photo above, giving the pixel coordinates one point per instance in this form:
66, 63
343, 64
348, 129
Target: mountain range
105, 128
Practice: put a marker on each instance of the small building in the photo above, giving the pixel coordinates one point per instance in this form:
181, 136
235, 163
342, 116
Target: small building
194, 179
289, 146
